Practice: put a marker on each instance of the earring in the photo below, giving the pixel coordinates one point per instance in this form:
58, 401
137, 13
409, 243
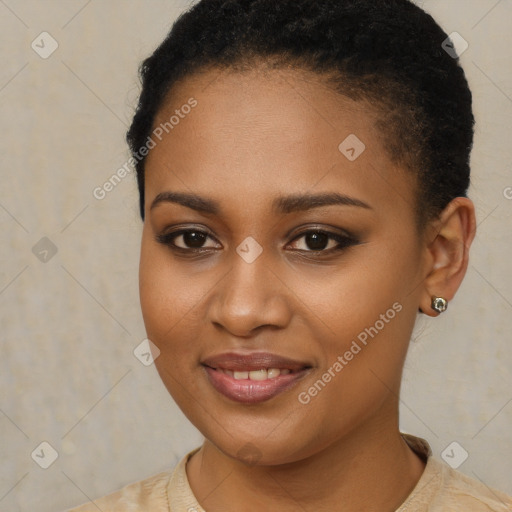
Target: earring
439, 304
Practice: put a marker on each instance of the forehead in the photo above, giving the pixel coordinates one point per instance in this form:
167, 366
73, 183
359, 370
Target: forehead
280, 106
269, 131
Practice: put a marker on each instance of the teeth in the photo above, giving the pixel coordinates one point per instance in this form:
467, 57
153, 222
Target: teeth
274, 372
258, 375
262, 374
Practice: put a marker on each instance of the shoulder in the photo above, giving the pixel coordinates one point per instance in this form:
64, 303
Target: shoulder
162, 492
466, 493
443, 488
147, 494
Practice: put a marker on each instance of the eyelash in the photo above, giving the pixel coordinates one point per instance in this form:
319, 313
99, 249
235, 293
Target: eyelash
344, 242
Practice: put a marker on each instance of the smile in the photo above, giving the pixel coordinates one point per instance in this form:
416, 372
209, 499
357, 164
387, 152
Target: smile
253, 378
262, 374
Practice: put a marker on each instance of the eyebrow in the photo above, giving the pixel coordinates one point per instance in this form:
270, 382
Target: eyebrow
282, 204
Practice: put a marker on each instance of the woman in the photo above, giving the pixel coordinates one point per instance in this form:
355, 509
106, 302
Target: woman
303, 169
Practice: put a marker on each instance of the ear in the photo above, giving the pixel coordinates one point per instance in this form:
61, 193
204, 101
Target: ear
448, 241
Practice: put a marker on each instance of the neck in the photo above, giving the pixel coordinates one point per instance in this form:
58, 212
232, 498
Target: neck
371, 468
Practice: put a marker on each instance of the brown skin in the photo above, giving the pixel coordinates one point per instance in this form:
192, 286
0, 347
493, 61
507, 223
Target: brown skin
251, 138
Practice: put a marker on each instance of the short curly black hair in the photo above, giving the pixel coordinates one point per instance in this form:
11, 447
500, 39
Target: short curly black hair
387, 52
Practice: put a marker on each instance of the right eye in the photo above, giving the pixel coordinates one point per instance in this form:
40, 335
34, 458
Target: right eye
189, 240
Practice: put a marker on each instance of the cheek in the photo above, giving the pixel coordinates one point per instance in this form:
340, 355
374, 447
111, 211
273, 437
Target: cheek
168, 301
166, 296
352, 297
153, 289
173, 303
370, 312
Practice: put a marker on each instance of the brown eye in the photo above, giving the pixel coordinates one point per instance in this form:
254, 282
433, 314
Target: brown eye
186, 239
194, 238
322, 241
317, 241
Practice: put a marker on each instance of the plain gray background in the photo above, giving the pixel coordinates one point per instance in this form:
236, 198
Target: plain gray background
69, 324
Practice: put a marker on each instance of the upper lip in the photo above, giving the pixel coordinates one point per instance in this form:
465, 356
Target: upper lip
253, 361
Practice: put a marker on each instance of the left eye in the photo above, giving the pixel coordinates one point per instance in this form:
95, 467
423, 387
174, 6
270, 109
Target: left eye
322, 241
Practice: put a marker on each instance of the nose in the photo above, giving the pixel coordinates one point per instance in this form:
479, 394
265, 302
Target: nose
250, 297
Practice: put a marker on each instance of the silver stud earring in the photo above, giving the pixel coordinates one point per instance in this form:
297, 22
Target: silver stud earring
439, 304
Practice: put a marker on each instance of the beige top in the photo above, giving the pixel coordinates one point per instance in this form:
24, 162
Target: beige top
440, 488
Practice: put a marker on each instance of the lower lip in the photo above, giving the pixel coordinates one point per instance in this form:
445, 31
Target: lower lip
251, 391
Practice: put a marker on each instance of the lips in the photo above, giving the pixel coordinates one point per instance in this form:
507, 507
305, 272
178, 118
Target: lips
253, 378
255, 361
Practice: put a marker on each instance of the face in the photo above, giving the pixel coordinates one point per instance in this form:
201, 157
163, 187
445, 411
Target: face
279, 270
